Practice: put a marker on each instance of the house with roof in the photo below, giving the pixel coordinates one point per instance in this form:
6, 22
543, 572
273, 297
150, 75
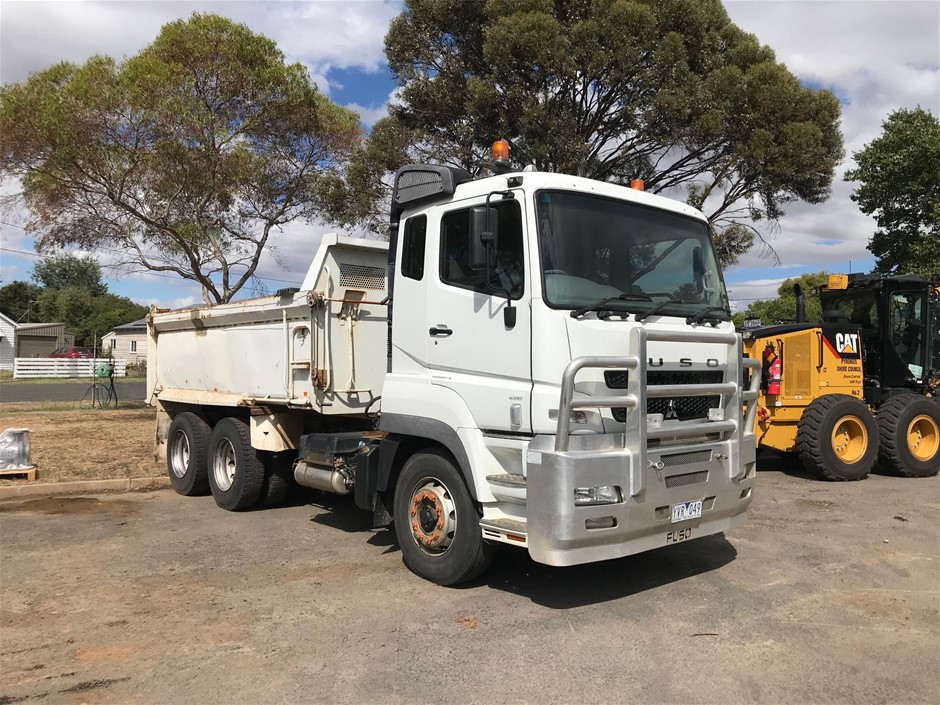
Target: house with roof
41, 339
7, 342
30, 340
127, 342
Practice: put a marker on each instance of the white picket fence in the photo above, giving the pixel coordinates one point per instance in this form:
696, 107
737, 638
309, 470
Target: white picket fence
59, 368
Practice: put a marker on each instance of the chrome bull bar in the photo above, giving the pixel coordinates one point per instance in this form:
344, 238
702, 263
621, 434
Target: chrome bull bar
638, 392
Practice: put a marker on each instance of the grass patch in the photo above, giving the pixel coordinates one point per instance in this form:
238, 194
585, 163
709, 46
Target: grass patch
68, 443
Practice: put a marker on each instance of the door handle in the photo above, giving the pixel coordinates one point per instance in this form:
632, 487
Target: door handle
440, 331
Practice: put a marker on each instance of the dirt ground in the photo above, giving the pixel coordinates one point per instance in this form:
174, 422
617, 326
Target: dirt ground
828, 593
68, 443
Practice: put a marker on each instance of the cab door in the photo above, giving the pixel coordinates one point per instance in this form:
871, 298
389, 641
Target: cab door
471, 349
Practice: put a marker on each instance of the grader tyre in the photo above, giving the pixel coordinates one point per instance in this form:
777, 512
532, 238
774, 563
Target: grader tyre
909, 433
837, 438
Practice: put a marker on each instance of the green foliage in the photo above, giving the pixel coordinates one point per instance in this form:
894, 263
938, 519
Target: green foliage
666, 90
900, 187
185, 158
66, 270
19, 300
783, 308
87, 315
361, 197
69, 290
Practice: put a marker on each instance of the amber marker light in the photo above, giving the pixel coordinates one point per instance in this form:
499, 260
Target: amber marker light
501, 150
637, 184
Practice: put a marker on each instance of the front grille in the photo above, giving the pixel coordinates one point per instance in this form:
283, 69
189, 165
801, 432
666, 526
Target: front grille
616, 379
677, 459
689, 478
682, 408
665, 441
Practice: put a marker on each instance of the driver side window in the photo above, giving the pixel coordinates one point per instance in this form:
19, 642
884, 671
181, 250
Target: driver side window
507, 270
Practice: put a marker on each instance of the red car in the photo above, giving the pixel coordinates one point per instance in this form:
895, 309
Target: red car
73, 351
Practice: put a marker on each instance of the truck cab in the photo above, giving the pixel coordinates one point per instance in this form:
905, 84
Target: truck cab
583, 377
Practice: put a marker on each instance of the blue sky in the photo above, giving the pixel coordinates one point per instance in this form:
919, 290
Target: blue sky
875, 55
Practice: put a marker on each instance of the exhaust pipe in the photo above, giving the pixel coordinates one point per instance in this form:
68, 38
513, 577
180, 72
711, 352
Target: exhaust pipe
800, 303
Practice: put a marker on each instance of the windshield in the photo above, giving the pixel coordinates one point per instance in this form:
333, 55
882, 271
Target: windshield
903, 325
593, 248
857, 306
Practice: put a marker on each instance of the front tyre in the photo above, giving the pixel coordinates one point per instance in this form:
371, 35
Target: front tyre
437, 523
235, 473
837, 437
909, 429
187, 449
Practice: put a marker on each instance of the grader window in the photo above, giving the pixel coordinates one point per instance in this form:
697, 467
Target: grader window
907, 318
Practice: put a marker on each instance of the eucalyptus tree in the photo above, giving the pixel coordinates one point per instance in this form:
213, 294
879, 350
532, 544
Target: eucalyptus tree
186, 158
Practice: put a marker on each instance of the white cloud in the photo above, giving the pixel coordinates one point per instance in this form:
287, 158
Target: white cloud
877, 57
321, 35
369, 115
183, 302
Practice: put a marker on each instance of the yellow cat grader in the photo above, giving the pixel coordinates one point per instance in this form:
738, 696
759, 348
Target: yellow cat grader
861, 387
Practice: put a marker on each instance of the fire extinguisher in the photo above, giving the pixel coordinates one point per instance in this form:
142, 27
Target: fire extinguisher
773, 370
773, 383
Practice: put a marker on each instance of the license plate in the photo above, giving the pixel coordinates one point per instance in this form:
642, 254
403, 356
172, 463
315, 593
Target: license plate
687, 510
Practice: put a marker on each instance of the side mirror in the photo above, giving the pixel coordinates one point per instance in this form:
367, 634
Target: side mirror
484, 232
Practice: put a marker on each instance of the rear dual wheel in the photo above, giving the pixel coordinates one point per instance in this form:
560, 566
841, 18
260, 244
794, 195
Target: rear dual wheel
909, 432
186, 453
278, 479
236, 475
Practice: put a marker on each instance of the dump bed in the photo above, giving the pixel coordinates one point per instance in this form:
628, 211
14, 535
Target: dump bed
322, 347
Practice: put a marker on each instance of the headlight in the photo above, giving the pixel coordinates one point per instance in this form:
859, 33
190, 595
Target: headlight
589, 496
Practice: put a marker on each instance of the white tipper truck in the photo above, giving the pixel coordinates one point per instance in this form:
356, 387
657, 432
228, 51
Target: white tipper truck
533, 359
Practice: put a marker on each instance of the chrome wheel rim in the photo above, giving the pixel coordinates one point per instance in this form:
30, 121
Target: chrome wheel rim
223, 464
179, 454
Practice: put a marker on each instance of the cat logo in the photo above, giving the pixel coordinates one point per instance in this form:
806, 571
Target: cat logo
847, 343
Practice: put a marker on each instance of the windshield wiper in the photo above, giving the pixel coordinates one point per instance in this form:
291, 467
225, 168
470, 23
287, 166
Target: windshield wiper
578, 312
657, 308
702, 316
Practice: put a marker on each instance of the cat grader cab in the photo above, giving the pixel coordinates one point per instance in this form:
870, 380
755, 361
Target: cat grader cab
861, 387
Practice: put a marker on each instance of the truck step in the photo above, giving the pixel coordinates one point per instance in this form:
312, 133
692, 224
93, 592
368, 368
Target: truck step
507, 530
508, 487
507, 480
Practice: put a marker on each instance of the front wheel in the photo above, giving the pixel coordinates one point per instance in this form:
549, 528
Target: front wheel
909, 428
235, 473
437, 523
837, 437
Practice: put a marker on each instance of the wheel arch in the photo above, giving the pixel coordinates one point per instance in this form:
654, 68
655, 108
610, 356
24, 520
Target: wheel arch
409, 435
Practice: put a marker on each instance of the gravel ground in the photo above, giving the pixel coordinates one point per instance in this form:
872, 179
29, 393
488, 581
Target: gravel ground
829, 593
